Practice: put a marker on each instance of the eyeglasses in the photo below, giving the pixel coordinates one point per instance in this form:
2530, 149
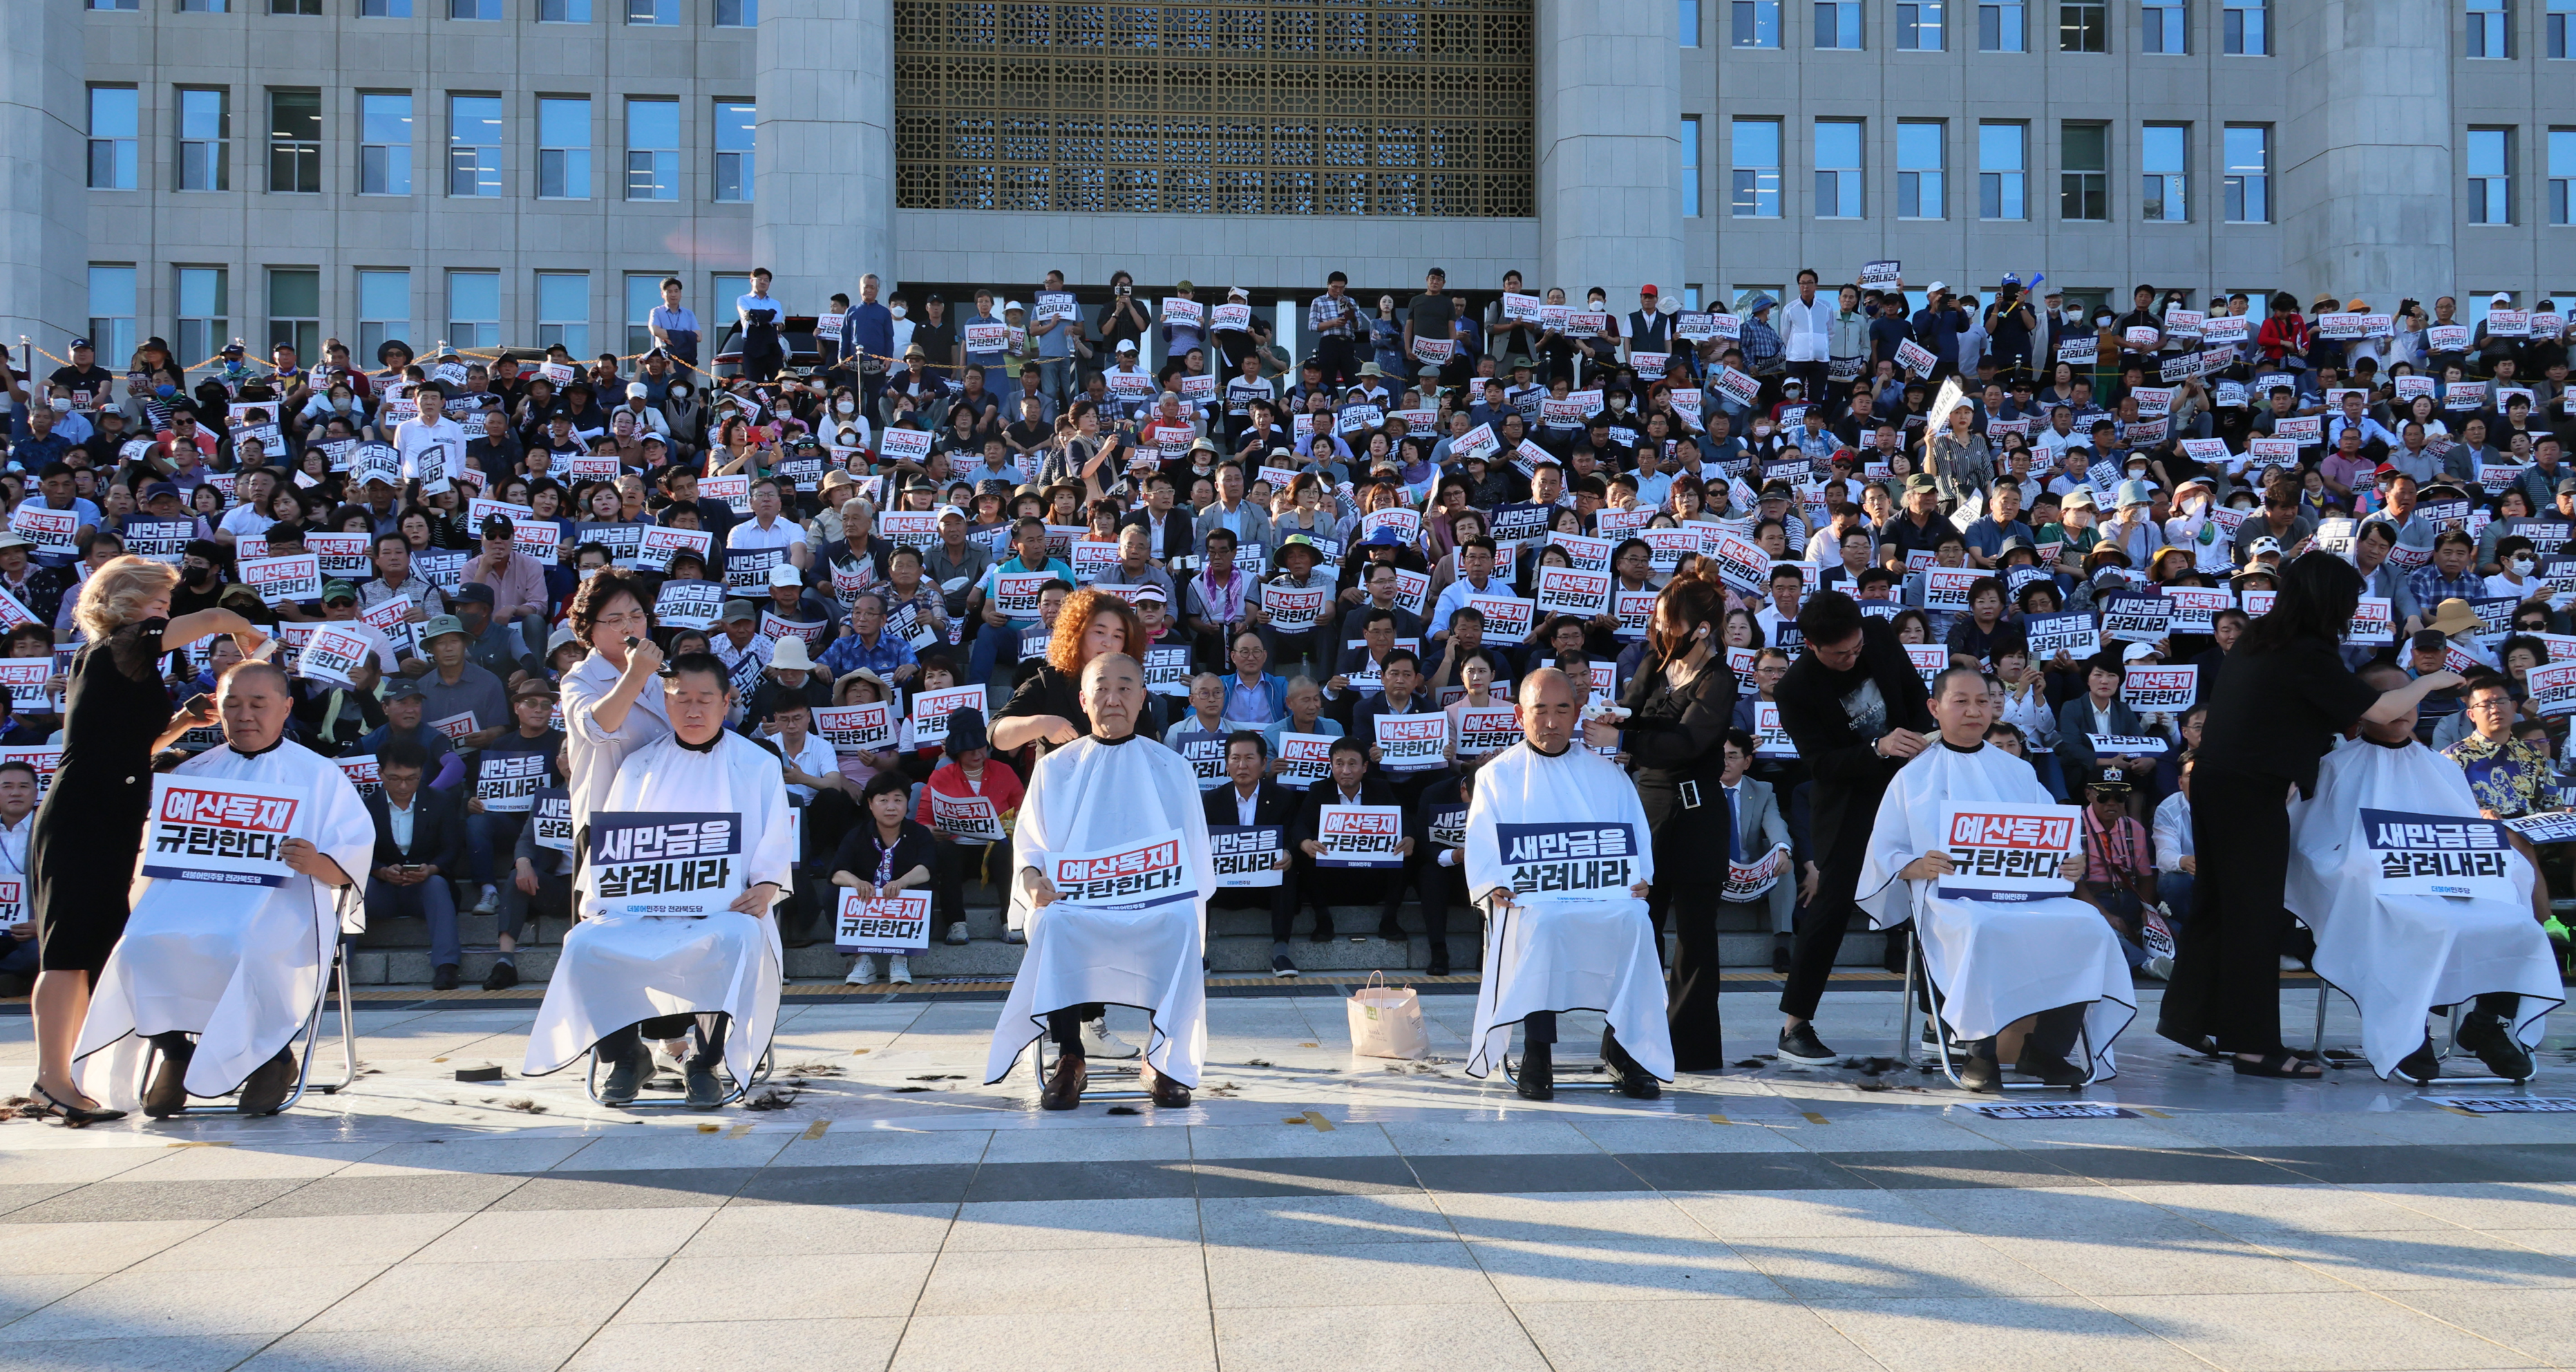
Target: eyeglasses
2491, 703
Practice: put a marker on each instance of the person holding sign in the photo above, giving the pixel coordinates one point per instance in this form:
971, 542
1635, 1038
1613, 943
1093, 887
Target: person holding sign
1116, 872
968, 805
2278, 704
1556, 854
682, 858
420, 847
1324, 881
236, 914
884, 854
1969, 846
1247, 803
89, 828
2402, 953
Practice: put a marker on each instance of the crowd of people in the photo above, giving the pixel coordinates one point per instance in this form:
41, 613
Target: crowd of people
1324, 567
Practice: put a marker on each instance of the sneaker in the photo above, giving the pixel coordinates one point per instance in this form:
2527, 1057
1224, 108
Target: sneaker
502, 977
1098, 1042
2491, 1038
1015, 936
625, 1079
2160, 967
2421, 1066
705, 1091
863, 971
1800, 1045
443, 977
957, 934
1280, 966
490, 902
1780, 959
898, 969
1982, 1074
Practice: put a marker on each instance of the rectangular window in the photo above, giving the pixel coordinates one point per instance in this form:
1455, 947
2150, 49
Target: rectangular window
1838, 24
2161, 27
473, 145
1689, 23
115, 121
1838, 169
563, 311
736, 121
384, 309
2164, 161
113, 4
474, 9
2490, 30
2000, 28
2083, 28
205, 140
1918, 170
111, 313
384, 144
2490, 176
727, 285
643, 293
1918, 26
2246, 28
563, 147
201, 6
1757, 23
2084, 171
1754, 153
294, 142
663, 12
384, 9
2562, 172
2559, 10
474, 309
295, 310
2002, 151
205, 314
563, 11
737, 14
2249, 174
1690, 166
652, 149
311, 7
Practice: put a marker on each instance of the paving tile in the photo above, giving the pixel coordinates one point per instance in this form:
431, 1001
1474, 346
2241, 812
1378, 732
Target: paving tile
270, 1160
1542, 1172
2059, 1211
666, 1150
1079, 1340
128, 1305
419, 1193
1395, 1217
897, 1184
1347, 1274
95, 1247
2154, 1267
1964, 1167
1816, 1269
1289, 1141
1738, 1335
1606, 1269
487, 1297
2250, 1211
1303, 1176
1734, 1215
1895, 1131
1575, 1217
2426, 1261
2485, 1205
489, 1155
1432, 1338
2533, 1324
1516, 1138
566, 1235
431, 1349
772, 1343
1768, 1170
153, 1200
1979, 1335
23, 1292
2383, 1163
2333, 1332
363, 1240
1685, 1134
752, 1229
31, 1167
1123, 1144
2167, 1166
851, 1284
1029, 1181
1017, 1225
1065, 1280
847, 1146
635, 1189
187, 1354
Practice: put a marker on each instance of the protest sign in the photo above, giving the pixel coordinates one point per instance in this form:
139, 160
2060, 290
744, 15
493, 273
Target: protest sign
897, 923
507, 783
1361, 836
334, 654
689, 604
218, 830
1247, 854
2006, 851
856, 729
2194, 607
1304, 759
1585, 859
1128, 876
656, 546
1748, 878
930, 711
1769, 738
2438, 855
1946, 588
682, 864
281, 579
2135, 617
362, 773
2161, 688
1412, 743
347, 556
1486, 729
1568, 591
971, 818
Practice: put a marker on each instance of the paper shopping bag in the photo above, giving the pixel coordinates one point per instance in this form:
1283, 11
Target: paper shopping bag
1386, 1021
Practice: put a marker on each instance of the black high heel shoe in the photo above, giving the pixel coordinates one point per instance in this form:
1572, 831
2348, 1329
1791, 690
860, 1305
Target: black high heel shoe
72, 1116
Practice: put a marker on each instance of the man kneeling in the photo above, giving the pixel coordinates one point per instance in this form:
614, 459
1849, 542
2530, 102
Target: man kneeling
680, 866
221, 974
1115, 875
2018, 977
1556, 853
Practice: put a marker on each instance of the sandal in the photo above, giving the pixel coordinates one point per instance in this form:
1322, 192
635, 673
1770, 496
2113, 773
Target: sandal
72, 1116
2282, 1064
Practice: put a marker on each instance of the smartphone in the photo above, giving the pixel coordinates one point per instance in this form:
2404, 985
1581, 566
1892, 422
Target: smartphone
201, 705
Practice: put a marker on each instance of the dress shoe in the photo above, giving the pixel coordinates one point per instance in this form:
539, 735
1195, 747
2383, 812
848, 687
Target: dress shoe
1633, 1081
269, 1084
626, 1078
2491, 1038
1780, 959
2422, 1065
2050, 1068
502, 977
1323, 932
705, 1091
1064, 1085
1390, 929
1439, 964
1981, 1073
1167, 1093
443, 977
168, 1093
1800, 1045
1537, 1077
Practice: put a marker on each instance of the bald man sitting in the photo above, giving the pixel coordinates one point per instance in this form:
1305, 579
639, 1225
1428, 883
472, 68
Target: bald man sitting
1113, 850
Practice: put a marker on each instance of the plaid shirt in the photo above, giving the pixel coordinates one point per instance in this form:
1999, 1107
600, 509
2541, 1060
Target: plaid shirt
2430, 588
1330, 318
2509, 777
1761, 344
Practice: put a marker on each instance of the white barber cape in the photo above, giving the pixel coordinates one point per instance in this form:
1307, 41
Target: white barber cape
623, 969
2398, 956
1993, 961
1564, 944
1084, 797
242, 967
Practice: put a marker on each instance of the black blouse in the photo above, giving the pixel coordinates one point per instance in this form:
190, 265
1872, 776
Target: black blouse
2275, 714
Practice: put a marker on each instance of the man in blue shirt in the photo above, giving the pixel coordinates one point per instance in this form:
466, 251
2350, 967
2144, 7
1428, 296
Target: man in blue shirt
999, 634
42, 447
867, 335
997, 378
868, 645
1937, 326
674, 329
1055, 345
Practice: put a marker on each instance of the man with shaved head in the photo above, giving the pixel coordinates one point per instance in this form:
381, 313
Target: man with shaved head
1557, 855
224, 960
1112, 843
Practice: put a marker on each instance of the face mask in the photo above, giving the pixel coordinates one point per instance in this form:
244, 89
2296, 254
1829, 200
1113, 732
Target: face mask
679, 392
1761, 431
60, 404
2521, 565
898, 311
847, 407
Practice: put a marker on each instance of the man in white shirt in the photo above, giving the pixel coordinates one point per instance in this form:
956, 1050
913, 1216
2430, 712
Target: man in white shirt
1806, 332
17, 927
766, 529
2176, 867
432, 445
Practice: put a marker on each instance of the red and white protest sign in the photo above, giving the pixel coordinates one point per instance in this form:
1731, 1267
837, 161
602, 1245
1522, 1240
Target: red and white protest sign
972, 818
1412, 743
281, 579
1128, 876
1361, 836
224, 831
334, 654
1487, 728
930, 711
855, 729
2005, 851
1572, 591
899, 923
2161, 688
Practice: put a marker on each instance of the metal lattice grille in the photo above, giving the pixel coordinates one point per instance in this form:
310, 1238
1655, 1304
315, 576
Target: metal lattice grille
1386, 107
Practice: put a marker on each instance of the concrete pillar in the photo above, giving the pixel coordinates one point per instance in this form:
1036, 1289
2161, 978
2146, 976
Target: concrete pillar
1609, 148
823, 187
44, 219
2363, 178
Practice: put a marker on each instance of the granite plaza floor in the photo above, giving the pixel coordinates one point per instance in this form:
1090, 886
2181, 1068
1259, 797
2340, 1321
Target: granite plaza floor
1313, 1209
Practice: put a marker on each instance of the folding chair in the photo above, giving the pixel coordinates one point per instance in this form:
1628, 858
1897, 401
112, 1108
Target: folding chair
1951, 1052
337, 981
2450, 1048
1092, 1071
735, 1090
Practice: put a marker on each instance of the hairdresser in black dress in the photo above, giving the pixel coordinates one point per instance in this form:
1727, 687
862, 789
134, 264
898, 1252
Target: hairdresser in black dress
2279, 703
89, 830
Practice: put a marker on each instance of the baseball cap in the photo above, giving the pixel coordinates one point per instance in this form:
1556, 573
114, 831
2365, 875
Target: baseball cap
475, 593
635, 390
2109, 779
1155, 593
1936, 288
785, 574
406, 687
1647, 289
440, 625
498, 526
338, 590
158, 489
736, 609
2500, 298
2137, 650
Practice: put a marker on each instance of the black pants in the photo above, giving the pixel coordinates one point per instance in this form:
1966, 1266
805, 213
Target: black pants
1065, 1027
959, 863
1338, 357
1279, 900
2226, 979
1692, 1009
629, 1042
1539, 1031
2053, 1033
1821, 926
1438, 888
1325, 887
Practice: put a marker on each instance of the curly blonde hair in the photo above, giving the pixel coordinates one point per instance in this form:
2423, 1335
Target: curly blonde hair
115, 594
1073, 624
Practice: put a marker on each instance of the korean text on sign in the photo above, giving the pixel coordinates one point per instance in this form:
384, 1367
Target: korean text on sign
2006, 852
